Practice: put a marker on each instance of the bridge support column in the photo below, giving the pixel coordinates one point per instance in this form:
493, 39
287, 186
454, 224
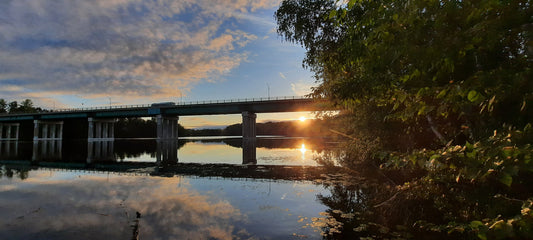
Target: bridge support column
101, 129
100, 151
9, 127
47, 149
248, 125
167, 152
248, 138
40, 130
167, 127
249, 151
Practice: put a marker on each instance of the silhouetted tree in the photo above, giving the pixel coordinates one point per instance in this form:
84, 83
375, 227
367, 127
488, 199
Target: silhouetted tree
3, 106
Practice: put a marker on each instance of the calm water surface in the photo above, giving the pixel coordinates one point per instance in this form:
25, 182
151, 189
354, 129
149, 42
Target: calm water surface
47, 198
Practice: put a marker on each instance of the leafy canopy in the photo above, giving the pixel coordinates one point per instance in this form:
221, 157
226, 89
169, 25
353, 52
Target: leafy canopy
449, 81
465, 61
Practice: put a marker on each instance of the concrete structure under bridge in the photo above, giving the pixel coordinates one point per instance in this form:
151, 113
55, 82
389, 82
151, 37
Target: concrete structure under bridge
99, 121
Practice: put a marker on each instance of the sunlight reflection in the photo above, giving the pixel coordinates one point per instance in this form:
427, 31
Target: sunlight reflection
303, 150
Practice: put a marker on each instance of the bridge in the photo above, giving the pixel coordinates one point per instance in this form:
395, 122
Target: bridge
100, 120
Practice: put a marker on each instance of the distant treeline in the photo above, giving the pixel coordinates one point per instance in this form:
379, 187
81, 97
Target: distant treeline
26, 106
297, 128
139, 128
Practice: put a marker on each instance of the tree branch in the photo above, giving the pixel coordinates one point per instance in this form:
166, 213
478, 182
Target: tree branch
434, 129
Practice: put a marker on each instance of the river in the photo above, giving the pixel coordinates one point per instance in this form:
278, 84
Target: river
194, 188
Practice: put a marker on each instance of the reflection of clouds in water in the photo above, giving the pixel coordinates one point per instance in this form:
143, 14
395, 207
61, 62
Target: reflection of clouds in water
90, 208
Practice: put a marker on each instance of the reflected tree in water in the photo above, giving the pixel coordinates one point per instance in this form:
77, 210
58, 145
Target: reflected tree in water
10, 173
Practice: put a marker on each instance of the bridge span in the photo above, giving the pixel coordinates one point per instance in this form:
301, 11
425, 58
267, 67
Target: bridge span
100, 121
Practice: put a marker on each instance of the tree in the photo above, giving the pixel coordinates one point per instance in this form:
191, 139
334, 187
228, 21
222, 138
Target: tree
3, 106
26, 106
444, 65
438, 90
13, 107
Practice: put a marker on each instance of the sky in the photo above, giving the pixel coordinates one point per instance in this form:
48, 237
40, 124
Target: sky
88, 53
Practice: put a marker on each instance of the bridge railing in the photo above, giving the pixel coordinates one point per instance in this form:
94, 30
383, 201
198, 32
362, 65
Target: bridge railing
134, 106
237, 100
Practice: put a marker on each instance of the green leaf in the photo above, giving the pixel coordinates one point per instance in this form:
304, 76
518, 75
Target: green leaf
506, 179
351, 3
473, 96
480, 228
442, 93
476, 224
332, 14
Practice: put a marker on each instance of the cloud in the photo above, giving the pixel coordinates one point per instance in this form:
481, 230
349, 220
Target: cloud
168, 207
123, 48
301, 88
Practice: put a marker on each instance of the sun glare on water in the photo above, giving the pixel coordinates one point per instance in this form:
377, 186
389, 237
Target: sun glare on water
302, 119
303, 150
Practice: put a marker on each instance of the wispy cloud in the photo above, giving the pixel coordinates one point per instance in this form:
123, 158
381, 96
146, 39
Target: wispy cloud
119, 47
301, 88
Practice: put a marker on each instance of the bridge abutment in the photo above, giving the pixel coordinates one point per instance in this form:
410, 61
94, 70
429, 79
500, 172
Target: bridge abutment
9, 131
101, 129
167, 127
47, 130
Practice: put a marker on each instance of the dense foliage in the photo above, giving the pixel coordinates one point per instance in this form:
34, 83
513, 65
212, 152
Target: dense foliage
439, 96
25, 106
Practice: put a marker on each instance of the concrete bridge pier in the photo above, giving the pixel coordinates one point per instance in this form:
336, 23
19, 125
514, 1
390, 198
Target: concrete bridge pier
248, 125
9, 149
167, 152
47, 149
249, 140
101, 129
47, 130
249, 151
100, 151
167, 127
9, 131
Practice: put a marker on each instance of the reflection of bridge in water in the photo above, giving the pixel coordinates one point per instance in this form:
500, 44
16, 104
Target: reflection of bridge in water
153, 169
100, 156
166, 151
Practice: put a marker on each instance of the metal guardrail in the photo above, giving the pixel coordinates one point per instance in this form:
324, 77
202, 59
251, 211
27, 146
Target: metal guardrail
238, 100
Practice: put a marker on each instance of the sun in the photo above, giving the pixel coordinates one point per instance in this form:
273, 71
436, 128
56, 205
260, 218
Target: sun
302, 119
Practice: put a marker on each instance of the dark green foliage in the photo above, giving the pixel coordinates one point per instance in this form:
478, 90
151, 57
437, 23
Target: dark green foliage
25, 106
439, 96
3, 106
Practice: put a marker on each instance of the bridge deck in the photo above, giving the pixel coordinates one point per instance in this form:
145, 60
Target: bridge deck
295, 104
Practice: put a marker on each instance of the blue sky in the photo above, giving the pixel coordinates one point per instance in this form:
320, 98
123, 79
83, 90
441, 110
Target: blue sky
83, 53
